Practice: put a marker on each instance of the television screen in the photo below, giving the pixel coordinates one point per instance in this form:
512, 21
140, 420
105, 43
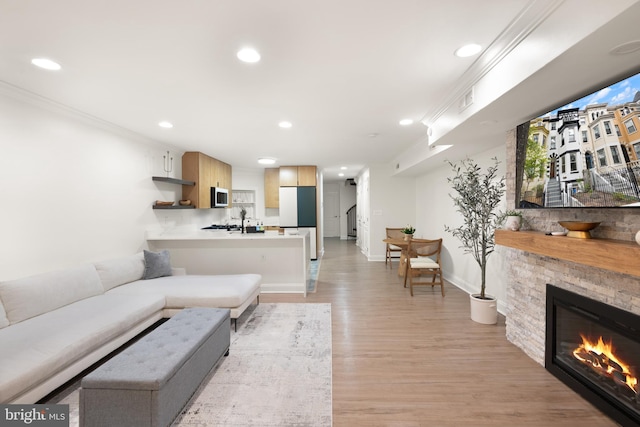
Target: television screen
585, 153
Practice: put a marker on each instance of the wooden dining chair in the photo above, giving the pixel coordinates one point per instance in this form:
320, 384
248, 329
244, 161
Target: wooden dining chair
392, 233
424, 263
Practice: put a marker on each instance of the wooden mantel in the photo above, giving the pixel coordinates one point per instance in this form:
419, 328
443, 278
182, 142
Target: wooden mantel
613, 255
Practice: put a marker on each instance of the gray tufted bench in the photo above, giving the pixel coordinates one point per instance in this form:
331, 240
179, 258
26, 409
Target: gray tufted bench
149, 383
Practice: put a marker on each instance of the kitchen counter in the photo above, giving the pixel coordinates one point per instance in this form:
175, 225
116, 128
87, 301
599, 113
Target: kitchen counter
221, 235
282, 260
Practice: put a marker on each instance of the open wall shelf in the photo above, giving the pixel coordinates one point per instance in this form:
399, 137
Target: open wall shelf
612, 255
172, 180
174, 207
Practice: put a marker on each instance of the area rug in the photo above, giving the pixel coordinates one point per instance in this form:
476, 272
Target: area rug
278, 373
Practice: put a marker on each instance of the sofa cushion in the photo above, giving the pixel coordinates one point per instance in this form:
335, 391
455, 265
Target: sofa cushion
30, 296
58, 338
116, 272
3, 317
156, 264
218, 291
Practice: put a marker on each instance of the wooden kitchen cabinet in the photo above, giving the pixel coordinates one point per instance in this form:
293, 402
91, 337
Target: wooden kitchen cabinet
298, 176
225, 176
288, 176
206, 172
307, 176
220, 174
272, 188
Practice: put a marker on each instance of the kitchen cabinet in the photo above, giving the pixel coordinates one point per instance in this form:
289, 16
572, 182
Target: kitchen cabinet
272, 188
206, 172
220, 174
288, 176
298, 176
307, 176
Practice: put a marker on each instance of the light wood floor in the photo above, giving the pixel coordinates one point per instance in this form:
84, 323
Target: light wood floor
403, 361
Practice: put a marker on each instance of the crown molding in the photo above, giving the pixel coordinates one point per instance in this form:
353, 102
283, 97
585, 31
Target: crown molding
525, 22
32, 98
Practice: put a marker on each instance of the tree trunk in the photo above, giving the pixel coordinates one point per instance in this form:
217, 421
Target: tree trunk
483, 268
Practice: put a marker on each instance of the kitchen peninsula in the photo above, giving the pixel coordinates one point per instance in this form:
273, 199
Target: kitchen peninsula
282, 260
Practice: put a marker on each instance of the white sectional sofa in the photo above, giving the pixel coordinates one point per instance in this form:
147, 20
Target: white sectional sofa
55, 325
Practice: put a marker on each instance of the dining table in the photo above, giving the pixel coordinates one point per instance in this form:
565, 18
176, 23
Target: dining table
403, 245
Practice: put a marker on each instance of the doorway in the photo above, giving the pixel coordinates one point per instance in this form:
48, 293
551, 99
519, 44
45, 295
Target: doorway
331, 214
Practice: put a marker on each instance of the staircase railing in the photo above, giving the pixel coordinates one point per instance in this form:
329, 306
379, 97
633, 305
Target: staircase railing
352, 228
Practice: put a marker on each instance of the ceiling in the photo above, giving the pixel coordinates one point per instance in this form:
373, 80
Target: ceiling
343, 72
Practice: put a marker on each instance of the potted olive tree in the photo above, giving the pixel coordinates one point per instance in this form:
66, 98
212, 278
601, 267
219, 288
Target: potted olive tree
477, 197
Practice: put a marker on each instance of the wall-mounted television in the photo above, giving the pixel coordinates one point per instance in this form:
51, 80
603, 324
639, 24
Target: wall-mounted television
584, 154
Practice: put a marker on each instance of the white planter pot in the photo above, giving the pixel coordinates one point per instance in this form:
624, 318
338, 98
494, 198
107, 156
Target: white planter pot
512, 223
484, 310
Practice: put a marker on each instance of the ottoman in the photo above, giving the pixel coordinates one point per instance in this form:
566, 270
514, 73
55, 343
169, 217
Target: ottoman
149, 383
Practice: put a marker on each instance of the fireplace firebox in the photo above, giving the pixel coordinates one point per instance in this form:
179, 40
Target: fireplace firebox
594, 348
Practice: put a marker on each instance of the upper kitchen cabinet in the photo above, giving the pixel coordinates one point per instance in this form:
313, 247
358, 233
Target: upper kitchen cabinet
271, 188
206, 172
298, 176
307, 176
221, 174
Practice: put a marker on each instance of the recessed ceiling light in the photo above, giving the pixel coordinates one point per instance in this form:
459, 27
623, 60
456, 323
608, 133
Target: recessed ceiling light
340, 174
406, 122
248, 54
468, 50
166, 125
344, 168
45, 63
626, 48
285, 124
266, 161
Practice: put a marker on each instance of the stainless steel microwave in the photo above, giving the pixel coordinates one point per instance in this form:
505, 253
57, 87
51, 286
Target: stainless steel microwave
219, 197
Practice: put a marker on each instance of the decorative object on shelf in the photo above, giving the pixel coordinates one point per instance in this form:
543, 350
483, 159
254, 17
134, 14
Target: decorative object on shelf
243, 214
168, 163
512, 220
185, 202
162, 203
408, 232
478, 196
579, 229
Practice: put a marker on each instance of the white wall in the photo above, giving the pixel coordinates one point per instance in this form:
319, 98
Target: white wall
392, 203
435, 209
73, 191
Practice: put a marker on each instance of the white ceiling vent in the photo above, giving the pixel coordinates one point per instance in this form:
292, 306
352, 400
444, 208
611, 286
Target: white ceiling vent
467, 99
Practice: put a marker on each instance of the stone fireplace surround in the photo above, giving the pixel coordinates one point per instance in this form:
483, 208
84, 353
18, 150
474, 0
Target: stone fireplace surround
528, 273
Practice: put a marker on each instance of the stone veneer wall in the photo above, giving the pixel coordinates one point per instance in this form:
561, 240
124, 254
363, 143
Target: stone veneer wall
528, 274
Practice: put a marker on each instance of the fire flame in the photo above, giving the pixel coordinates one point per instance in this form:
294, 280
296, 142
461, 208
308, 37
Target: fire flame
606, 361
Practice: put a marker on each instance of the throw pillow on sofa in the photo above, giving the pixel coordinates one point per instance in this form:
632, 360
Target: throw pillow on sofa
156, 264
